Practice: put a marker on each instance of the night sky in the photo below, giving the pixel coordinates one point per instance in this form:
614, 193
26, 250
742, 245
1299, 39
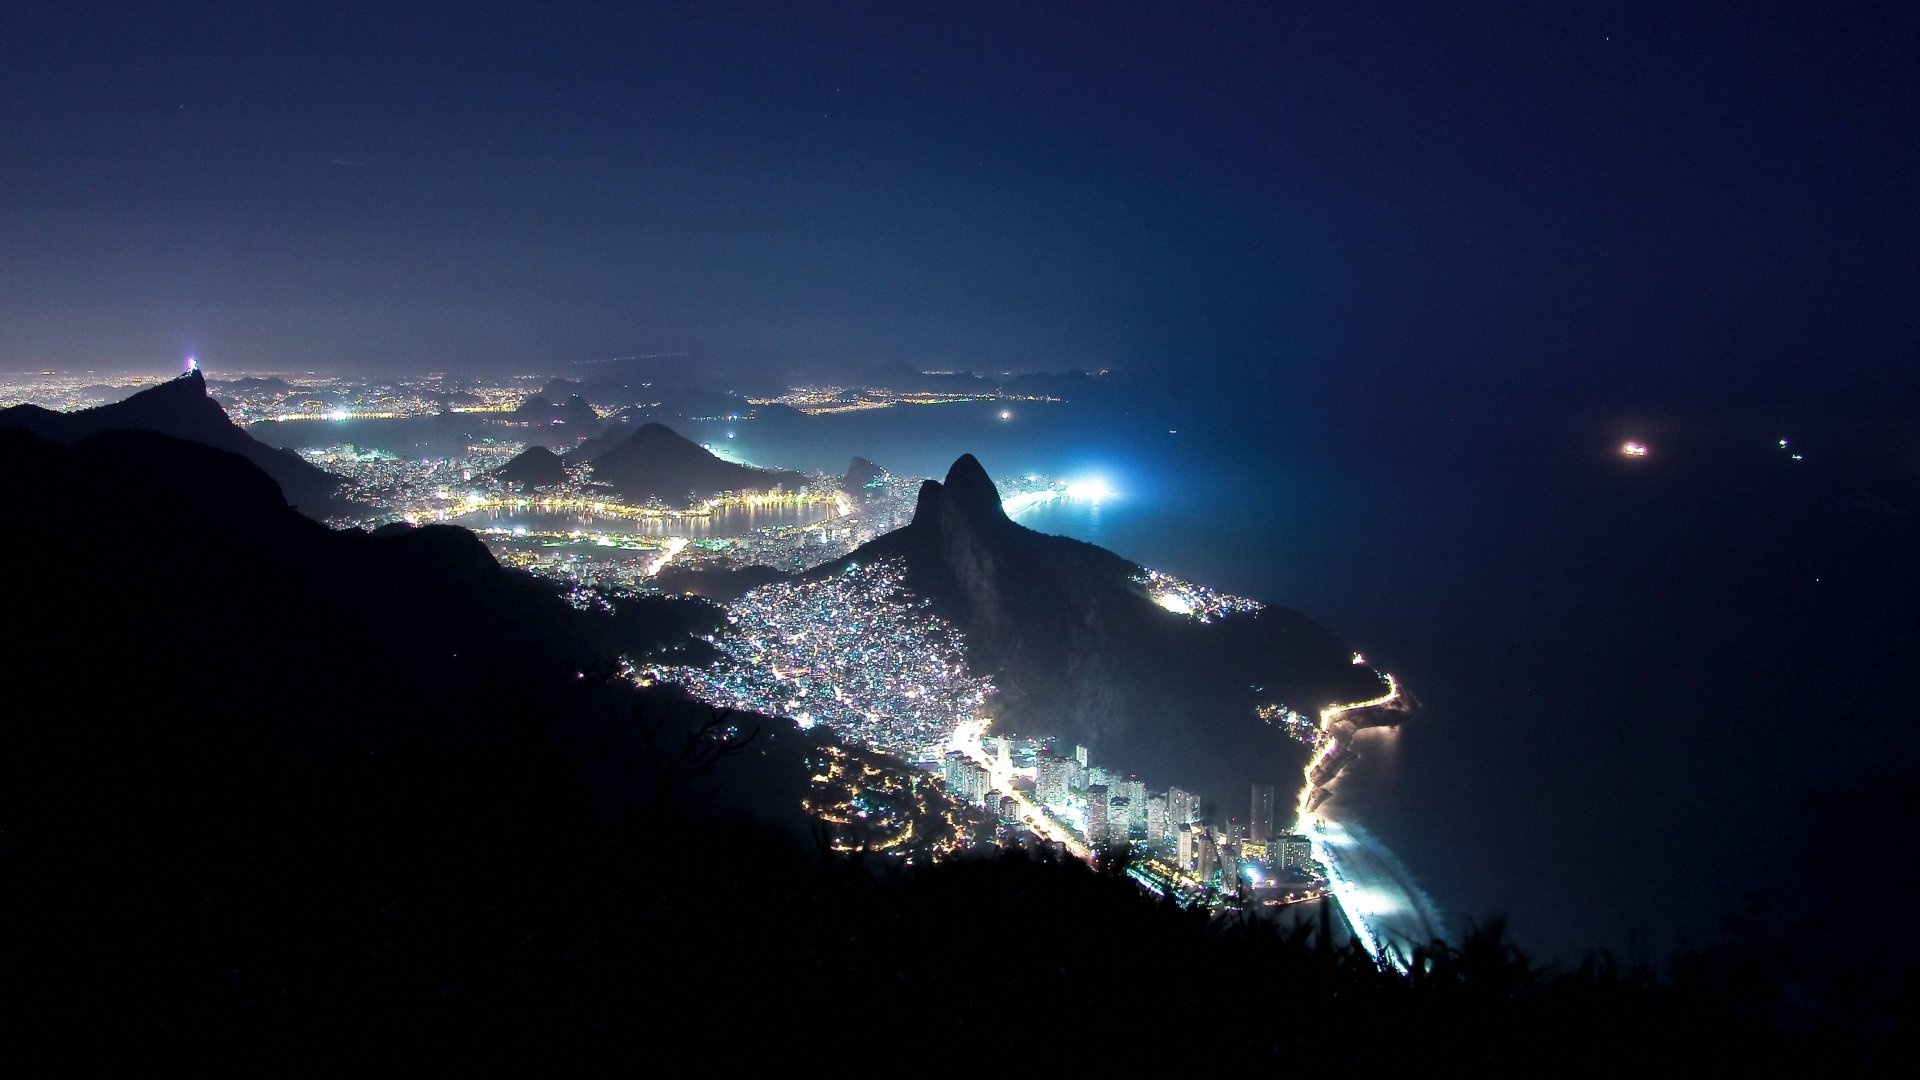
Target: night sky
1611, 200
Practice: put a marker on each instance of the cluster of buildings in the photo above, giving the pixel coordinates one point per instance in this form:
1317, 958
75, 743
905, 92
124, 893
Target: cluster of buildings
870, 803
412, 489
250, 399
1179, 844
854, 651
824, 400
69, 391
1183, 597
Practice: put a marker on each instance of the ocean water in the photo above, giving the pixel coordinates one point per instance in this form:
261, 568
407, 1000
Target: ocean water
1644, 681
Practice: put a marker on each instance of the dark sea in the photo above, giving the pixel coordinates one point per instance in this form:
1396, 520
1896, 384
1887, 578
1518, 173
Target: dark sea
1657, 692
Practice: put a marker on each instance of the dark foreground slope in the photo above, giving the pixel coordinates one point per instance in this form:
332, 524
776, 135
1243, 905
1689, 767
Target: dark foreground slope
181, 408
1079, 649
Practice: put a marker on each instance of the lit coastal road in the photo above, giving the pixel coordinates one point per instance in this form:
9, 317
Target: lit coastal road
966, 739
1378, 899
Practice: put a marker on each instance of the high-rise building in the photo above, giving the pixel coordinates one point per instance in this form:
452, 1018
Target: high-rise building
1183, 807
1292, 851
1097, 815
1184, 834
1260, 822
1206, 858
1080, 755
1119, 820
1051, 778
1135, 789
1157, 818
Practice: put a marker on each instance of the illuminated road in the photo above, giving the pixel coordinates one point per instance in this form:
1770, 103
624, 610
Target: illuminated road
1329, 745
1380, 902
966, 739
675, 545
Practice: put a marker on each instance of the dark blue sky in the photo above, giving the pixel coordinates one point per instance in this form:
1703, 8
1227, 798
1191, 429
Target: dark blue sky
1617, 200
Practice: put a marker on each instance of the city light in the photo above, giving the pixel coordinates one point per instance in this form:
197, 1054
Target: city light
1091, 489
1634, 449
1175, 603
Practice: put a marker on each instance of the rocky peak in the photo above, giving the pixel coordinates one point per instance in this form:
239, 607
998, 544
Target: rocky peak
971, 493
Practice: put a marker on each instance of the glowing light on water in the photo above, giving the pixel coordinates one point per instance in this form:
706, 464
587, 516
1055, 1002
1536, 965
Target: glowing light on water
1027, 500
1092, 489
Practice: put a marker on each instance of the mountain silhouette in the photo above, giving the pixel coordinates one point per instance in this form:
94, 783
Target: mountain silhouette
181, 407
542, 412
1079, 649
860, 474
536, 466
655, 462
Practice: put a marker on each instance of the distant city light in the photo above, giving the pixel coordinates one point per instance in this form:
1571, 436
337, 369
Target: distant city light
1093, 489
1175, 603
1634, 449
1783, 444
1006, 414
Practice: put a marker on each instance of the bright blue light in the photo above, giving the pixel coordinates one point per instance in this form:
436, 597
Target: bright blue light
1092, 489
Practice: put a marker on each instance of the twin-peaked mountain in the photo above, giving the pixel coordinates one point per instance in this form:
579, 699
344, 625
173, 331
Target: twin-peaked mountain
181, 407
542, 411
655, 462
1078, 647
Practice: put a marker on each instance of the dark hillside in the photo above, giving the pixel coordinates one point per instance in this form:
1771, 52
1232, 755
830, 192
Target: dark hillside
182, 408
1079, 649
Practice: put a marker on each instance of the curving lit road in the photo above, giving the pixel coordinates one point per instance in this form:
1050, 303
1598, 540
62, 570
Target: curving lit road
1382, 905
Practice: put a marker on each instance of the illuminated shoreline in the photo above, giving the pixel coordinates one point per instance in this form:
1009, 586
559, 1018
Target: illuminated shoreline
1326, 835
